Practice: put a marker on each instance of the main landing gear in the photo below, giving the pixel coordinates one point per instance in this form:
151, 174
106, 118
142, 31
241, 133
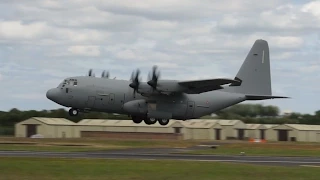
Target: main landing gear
149, 121
73, 112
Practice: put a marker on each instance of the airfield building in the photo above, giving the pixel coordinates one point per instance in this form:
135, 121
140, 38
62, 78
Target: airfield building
233, 129
128, 129
194, 129
256, 131
295, 132
47, 127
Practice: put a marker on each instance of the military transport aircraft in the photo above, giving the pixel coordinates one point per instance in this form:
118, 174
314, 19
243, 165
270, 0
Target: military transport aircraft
160, 100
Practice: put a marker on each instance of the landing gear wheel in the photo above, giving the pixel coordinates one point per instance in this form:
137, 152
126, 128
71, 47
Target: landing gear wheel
136, 119
73, 112
150, 121
163, 122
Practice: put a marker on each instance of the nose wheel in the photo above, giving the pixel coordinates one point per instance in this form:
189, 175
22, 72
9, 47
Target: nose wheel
73, 112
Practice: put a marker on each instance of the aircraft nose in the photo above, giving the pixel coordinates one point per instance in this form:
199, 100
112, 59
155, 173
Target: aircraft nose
52, 93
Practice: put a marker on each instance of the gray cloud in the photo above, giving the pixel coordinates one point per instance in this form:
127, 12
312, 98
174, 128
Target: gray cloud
44, 41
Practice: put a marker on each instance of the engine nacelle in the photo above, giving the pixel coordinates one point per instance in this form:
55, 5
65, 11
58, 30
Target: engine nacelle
136, 107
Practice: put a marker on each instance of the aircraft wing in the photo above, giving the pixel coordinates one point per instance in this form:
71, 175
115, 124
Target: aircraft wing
200, 86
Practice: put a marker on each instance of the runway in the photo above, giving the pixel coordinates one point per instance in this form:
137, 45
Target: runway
166, 154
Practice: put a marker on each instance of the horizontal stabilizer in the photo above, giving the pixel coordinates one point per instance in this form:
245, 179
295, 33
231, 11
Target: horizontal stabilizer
263, 97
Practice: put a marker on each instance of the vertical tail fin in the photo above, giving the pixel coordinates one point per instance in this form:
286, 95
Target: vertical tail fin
254, 74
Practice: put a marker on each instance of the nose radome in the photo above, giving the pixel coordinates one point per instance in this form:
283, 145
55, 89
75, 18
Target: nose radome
52, 94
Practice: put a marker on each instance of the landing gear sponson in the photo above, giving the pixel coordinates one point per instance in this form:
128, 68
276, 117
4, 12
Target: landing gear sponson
149, 121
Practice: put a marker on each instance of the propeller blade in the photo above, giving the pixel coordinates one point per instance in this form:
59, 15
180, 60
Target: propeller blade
149, 76
90, 72
154, 79
135, 81
105, 74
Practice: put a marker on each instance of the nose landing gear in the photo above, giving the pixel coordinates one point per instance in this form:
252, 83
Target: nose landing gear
73, 112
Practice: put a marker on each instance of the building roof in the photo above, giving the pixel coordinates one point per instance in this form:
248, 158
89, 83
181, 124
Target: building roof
254, 126
192, 123
200, 123
304, 127
120, 123
96, 122
54, 121
268, 126
228, 122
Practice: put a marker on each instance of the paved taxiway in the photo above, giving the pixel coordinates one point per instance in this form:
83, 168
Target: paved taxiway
155, 154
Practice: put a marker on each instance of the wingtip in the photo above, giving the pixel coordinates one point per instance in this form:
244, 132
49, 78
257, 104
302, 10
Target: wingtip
281, 97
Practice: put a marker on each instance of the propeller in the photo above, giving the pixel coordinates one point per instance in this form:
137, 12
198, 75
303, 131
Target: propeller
135, 81
105, 74
90, 73
153, 78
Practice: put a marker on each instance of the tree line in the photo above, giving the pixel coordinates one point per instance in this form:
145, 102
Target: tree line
259, 114
249, 113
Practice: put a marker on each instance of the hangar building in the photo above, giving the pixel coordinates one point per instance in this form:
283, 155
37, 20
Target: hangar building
233, 129
128, 129
194, 129
295, 132
205, 129
47, 127
200, 129
256, 131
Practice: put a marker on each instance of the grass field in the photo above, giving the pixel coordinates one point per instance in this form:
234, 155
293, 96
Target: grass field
91, 169
96, 144
267, 149
86, 144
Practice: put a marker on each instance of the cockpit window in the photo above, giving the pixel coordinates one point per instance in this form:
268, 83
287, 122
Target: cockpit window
71, 81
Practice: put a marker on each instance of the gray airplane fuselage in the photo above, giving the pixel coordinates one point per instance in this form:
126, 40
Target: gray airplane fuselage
111, 95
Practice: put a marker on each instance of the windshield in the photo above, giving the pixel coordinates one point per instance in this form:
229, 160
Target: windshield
68, 82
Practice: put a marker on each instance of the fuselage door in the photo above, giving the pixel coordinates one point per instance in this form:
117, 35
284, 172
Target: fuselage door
190, 109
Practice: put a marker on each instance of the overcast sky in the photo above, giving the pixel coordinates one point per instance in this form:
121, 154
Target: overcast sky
44, 41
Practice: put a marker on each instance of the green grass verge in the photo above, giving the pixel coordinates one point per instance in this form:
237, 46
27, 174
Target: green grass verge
91, 169
86, 144
54, 148
268, 149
